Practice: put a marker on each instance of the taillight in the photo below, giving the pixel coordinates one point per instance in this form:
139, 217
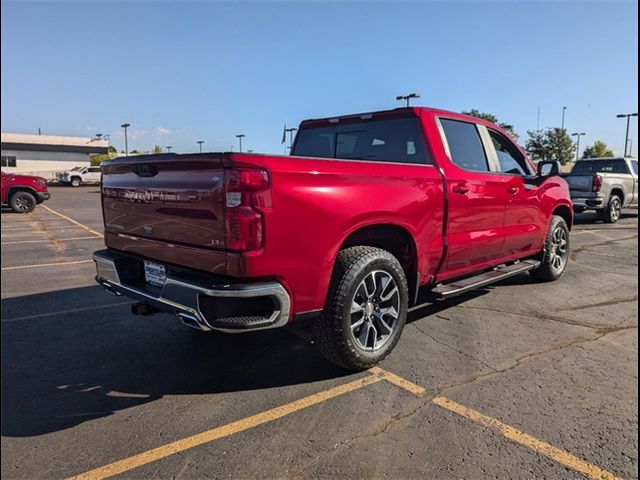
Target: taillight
243, 223
597, 183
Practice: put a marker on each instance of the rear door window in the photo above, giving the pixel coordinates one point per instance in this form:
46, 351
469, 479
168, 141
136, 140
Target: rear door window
395, 140
465, 145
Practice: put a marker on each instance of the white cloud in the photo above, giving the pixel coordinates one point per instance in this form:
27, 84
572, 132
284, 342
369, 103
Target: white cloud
160, 131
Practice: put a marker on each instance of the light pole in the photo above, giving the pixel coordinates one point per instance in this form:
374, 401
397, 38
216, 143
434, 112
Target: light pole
408, 97
240, 136
200, 142
168, 147
578, 142
626, 137
564, 109
290, 131
126, 141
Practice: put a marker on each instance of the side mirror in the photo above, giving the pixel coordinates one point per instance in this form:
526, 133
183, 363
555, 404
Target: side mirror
548, 169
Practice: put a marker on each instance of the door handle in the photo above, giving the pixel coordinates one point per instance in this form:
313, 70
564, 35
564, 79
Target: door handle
461, 189
513, 190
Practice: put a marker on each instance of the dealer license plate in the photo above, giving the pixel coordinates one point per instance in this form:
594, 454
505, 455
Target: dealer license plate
154, 273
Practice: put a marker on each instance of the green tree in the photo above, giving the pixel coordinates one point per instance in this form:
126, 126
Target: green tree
550, 144
156, 149
599, 149
489, 117
98, 158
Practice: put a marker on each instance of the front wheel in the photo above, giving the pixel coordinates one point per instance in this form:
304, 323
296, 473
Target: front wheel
75, 182
366, 308
22, 202
556, 252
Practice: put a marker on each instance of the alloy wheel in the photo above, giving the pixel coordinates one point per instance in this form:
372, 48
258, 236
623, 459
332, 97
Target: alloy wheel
559, 248
374, 310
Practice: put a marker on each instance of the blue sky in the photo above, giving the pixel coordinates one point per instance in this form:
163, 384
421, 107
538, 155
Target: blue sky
181, 72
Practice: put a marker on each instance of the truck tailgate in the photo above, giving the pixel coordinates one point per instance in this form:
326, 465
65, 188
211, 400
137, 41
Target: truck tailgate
170, 199
580, 182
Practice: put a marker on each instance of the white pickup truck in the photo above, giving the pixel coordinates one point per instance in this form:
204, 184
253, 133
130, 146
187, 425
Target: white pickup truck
79, 175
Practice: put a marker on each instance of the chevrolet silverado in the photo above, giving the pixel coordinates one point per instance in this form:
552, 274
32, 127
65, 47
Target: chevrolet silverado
368, 213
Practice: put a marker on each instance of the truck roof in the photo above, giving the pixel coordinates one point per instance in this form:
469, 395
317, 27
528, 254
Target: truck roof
608, 159
379, 114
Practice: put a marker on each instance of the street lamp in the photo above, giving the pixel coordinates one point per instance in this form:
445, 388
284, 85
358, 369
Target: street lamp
126, 142
564, 109
168, 147
578, 142
200, 142
626, 137
240, 136
408, 97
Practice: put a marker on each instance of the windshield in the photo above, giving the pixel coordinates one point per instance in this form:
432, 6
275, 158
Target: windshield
600, 166
396, 140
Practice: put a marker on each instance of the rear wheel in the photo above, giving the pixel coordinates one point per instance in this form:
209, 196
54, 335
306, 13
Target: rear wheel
556, 252
22, 202
366, 308
612, 213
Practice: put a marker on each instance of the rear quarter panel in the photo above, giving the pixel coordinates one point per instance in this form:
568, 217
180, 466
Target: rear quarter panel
313, 205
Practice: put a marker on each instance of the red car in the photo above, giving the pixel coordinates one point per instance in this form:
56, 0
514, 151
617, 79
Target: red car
370, 215
23, 192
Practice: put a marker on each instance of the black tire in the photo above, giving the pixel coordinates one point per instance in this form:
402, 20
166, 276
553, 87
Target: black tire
612, 213
76, 181
334, 331
22, 202
550, 270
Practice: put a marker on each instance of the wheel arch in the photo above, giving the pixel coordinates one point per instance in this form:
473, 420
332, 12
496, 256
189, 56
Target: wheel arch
396, 240
566, 213
21, 188
618, 191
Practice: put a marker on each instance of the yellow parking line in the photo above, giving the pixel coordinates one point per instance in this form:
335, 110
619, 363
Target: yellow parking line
49, 240
377, 374
20, 267
75, 222
32, 229
544, 448
225, 430
398, 381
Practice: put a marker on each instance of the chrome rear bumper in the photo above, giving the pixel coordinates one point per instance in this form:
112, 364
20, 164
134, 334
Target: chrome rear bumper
199, 302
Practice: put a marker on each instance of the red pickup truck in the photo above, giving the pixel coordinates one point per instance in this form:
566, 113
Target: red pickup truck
368, 213
23, 192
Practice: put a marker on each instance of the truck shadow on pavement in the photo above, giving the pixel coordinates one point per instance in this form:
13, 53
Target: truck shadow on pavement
62, 369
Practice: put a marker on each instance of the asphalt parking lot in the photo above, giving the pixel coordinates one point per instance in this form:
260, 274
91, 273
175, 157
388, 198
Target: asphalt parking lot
519, 380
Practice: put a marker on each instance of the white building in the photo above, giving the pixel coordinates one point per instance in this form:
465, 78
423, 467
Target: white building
44, 155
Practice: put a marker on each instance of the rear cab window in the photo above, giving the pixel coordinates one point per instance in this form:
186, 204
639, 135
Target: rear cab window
399, 140
601, 166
